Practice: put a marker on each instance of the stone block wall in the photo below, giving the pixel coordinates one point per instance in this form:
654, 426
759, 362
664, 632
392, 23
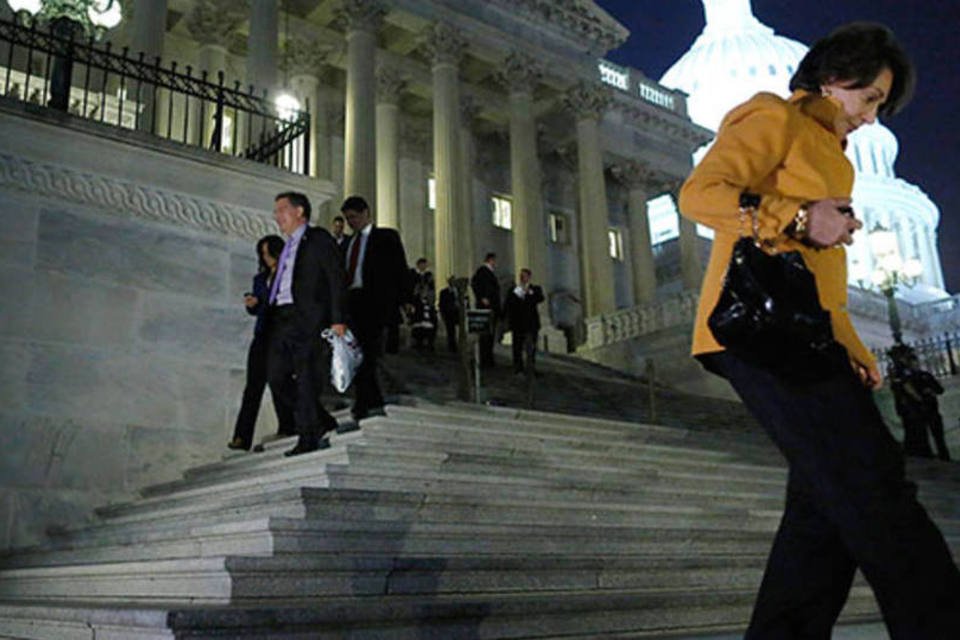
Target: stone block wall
123, 338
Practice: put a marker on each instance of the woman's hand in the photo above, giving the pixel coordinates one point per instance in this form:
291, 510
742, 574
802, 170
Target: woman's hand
827, 225
870, 376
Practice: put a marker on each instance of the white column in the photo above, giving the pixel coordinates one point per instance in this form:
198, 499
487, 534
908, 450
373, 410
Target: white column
359, 175
588, 102
149, 29
390, 84
691, 267
466, 228
637, 177
415, 148
303, 59
446, 46
521, 73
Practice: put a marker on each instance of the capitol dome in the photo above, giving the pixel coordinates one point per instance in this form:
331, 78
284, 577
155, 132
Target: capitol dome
737, 56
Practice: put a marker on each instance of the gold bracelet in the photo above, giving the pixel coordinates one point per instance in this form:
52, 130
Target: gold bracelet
800, 223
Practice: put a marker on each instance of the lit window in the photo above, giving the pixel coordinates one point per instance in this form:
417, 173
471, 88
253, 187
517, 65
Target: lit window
773, 70
432, 193
502, 212
662, 216
616, 243
558, 229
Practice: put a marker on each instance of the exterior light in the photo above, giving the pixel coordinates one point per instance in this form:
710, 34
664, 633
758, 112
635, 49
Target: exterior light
913, 268
31, 7
93, 16
288, 106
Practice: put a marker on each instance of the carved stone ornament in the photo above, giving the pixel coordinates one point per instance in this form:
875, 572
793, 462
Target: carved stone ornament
215, 21
521, 72
390, 83
361, 15
133, 200
581, 19
587, 100
635, 174
305, 56
444, 43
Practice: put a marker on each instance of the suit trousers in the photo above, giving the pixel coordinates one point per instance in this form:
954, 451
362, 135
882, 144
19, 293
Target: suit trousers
848, 506
524, 343
253, 394
368, 327
293, 374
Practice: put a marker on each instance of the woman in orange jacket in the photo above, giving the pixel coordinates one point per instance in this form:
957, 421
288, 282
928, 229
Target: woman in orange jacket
848, 503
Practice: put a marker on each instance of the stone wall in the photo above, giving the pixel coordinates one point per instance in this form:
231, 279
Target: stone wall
122, 334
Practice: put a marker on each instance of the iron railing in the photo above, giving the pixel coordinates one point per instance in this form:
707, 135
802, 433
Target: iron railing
940, 355
52, 68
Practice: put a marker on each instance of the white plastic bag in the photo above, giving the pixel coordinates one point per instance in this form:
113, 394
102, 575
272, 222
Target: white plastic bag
345, 358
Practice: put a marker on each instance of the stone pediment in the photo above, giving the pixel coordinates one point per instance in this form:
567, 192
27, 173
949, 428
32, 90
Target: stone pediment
580, 20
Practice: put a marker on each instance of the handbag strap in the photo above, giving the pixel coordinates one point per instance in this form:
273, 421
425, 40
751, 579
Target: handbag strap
749, 204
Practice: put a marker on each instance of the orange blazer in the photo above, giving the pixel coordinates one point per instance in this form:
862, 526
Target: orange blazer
788, 152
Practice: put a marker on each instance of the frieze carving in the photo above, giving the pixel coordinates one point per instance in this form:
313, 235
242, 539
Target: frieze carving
132, 200
215, 21
580, 18
444, 43
306, 56
587, 100
390, 83
635, 174
521, 72
361, 15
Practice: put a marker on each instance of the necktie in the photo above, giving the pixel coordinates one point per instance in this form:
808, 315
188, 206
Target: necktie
354, 259
275, 287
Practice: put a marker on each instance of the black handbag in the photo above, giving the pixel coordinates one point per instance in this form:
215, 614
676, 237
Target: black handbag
769, 313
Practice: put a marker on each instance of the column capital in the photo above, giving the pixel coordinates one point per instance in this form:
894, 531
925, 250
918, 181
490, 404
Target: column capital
305, 56
469, 109
361, 15
390, 83
444, 43
213, 22
587, 100
520, 72
635, 174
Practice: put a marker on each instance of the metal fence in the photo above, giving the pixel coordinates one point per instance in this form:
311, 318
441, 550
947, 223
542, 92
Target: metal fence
940, 356
51, 68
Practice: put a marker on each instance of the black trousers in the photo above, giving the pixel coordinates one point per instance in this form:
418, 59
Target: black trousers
524, 343
487, 339
450, 323
848, 505
368, 327
293, 373
257, 358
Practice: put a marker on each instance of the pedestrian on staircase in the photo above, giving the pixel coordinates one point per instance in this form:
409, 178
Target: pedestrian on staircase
848, 504
269, 249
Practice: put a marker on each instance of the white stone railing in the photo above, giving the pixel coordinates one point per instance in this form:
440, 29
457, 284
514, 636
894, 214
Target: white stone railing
626, 324
630, 80
932, 317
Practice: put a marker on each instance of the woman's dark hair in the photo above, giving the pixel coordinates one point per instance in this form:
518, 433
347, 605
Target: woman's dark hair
856, 53
274, 248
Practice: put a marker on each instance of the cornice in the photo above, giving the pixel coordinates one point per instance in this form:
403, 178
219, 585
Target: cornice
580, 18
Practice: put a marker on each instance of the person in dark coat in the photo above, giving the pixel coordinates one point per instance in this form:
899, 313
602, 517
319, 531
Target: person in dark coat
378, 284
486, 293
450, 312
307, 296
520, 310
423, 315
255, 302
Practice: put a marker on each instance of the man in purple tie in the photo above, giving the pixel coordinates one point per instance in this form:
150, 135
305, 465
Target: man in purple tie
307, 296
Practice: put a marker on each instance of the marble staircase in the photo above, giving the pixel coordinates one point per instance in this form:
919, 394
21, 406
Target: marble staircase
434, 521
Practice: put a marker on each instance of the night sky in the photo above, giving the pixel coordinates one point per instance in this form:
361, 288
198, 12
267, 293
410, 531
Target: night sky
928, 129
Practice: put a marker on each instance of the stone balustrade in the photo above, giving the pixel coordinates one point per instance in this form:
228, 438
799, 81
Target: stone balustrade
626, 324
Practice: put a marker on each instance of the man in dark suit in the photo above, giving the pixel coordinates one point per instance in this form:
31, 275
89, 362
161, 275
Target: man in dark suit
336, 229
520, 308
450, 312
486, 292
377, 284
307, 296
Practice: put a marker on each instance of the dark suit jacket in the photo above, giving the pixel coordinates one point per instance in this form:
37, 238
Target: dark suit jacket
260, 291
485, 285
319, 292
386, 276
522, 313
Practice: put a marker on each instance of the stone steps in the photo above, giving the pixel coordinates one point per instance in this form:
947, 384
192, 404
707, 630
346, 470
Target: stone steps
432, 522
638, 613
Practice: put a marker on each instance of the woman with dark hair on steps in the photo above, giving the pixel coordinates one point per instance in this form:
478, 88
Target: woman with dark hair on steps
848, 504
255, 301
